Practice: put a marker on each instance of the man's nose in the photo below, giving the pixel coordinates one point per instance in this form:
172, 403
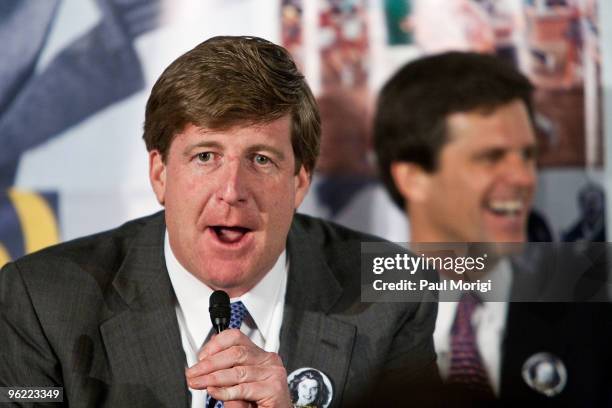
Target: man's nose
520, 171
232, 187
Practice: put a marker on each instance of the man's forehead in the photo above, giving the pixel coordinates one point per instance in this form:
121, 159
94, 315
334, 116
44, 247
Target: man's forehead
502, 126
273, 131
233, 125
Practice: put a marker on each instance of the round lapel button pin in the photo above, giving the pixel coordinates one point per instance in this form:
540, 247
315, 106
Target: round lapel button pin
310, 388
545, 373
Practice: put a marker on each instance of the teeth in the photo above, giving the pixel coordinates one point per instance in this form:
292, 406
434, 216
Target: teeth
506, 206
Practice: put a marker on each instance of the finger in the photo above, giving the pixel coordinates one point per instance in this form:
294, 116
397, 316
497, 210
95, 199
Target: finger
261, 392
238, 404
236, 375
234, 356
224, 340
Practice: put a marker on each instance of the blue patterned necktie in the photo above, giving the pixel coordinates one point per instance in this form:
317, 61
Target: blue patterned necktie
239, 312
467, 370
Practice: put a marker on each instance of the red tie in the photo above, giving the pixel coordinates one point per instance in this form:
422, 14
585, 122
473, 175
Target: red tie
467, 372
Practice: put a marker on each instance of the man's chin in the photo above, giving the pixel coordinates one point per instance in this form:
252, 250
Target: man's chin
515, 232
505, 245
234, 277
517, 237
234, 288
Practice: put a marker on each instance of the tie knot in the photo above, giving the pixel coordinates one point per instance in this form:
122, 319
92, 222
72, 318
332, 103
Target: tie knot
239, 312
465, 310
469, 301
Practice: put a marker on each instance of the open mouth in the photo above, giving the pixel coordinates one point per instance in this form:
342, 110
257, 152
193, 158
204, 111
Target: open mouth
229, 235
506, 208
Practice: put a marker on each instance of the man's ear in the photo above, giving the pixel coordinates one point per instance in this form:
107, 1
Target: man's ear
157, 175
302, 184
411, 180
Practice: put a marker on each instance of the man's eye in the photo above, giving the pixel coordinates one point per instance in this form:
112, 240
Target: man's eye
494, 156
491, 156
530, 154
261, 159
205, 156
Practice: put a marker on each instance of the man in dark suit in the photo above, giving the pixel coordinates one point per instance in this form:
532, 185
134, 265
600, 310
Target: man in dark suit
120, 318
455, 140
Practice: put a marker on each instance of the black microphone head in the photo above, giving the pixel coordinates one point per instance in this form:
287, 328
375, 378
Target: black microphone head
219, 309
219, 298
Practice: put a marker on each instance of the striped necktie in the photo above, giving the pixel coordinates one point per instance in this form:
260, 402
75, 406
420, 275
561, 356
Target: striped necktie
467, 373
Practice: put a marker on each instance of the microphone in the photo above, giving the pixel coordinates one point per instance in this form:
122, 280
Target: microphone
220, 310
220, 314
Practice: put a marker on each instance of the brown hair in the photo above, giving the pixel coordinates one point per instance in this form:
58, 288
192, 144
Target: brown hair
229, 81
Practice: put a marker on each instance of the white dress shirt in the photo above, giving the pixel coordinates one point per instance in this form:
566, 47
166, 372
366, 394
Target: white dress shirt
488, 320
265, 304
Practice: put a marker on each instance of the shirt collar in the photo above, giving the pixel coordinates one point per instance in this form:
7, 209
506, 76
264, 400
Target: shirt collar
258, 300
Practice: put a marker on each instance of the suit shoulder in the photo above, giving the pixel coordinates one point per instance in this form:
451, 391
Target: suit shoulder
330, 231
103, 251
332, 237
340, 245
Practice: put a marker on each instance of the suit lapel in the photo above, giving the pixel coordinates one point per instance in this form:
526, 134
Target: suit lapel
142, 336
309, 336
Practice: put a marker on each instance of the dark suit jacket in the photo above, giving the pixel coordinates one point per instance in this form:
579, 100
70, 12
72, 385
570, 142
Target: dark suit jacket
578, 333
96, 316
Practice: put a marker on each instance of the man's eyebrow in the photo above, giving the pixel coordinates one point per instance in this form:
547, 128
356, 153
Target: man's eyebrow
206, 144
267, 148
531, 149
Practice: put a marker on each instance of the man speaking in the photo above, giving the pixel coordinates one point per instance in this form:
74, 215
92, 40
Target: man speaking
121, 318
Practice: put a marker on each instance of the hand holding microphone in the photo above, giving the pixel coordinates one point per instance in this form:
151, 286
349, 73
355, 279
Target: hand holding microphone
235, 370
